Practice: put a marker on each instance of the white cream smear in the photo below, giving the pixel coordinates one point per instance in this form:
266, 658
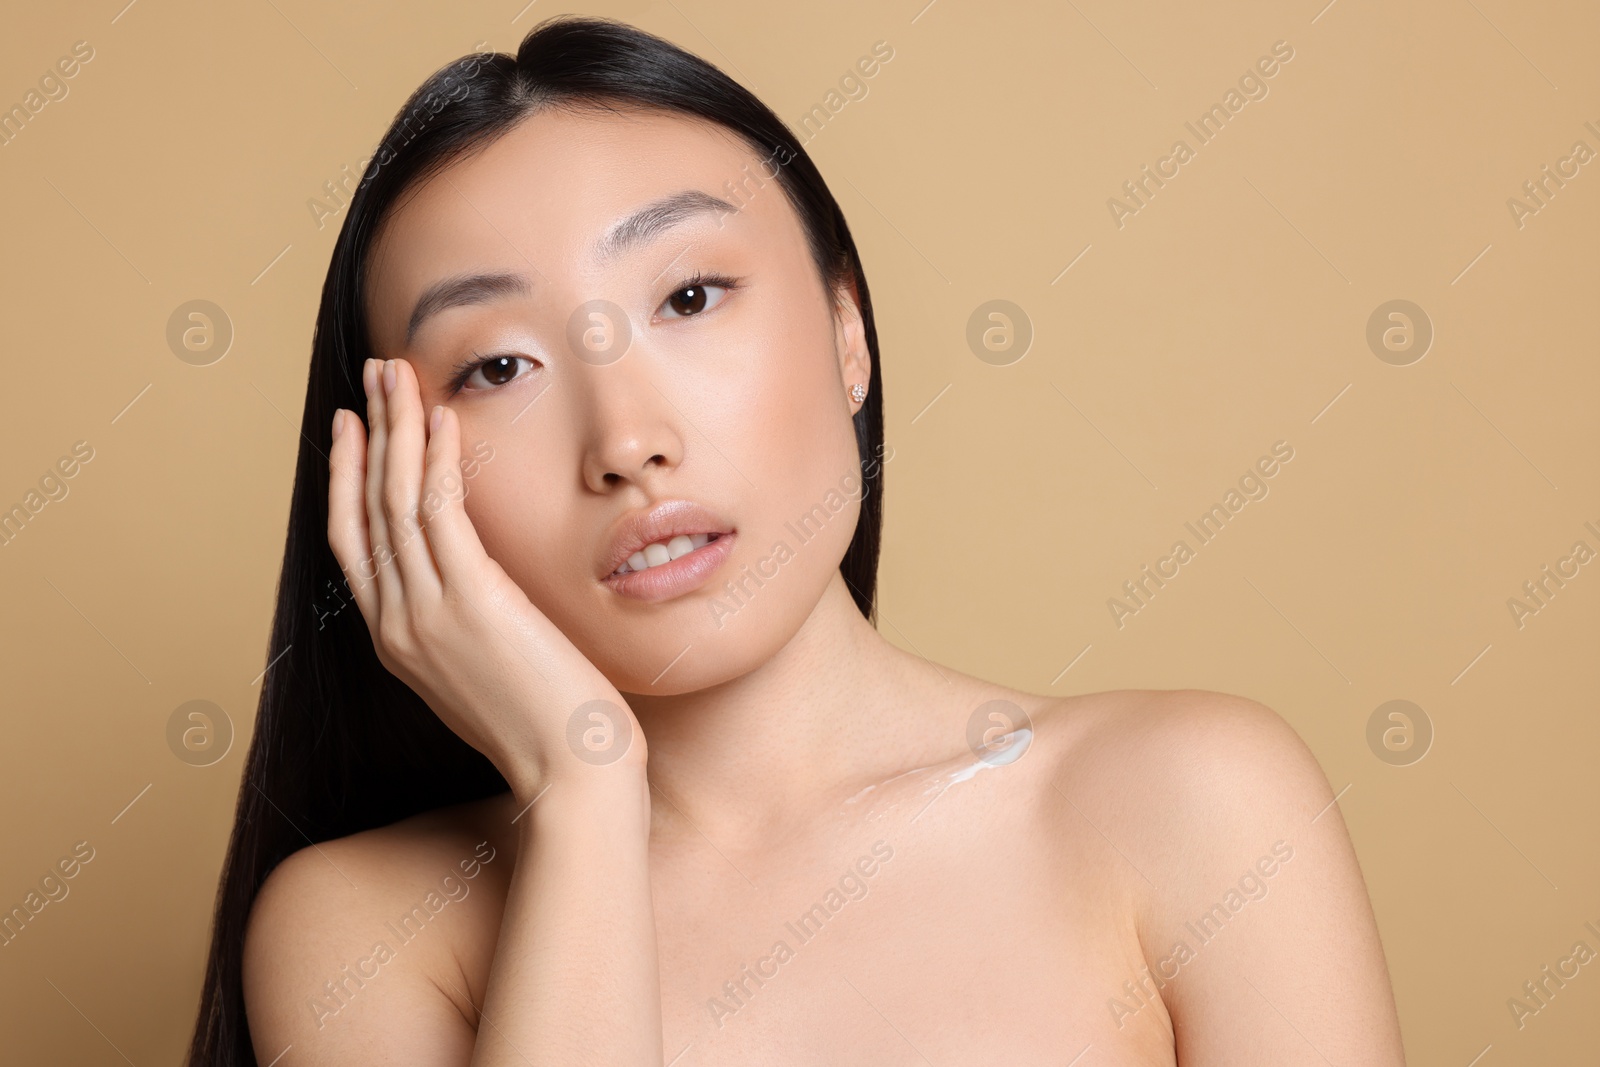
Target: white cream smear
1008, 749
1005, 750
886, 781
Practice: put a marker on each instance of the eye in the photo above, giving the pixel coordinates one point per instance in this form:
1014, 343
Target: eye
694, 295
488, 372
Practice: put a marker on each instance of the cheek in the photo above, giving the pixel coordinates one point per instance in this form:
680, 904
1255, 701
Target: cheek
791, 418
813, 436
511, 511
798, 447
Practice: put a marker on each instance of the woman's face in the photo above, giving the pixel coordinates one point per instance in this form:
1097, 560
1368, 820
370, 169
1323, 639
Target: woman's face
605, 385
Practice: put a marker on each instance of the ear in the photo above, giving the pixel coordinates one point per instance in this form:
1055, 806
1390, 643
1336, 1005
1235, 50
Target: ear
850, 339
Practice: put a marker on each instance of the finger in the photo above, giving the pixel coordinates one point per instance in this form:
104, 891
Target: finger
456, 547
388, 576
402, 482
347, 511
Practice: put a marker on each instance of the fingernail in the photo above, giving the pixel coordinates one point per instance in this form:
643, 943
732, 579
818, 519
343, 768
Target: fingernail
338, 423
436, 418
388, 376
366, 377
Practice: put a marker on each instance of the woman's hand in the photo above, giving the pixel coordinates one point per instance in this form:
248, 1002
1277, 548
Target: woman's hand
445, 618
576, 937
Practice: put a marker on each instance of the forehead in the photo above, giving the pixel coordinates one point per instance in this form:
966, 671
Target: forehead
539, 198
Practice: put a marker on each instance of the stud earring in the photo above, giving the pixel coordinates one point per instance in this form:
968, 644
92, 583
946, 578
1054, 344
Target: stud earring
858, 392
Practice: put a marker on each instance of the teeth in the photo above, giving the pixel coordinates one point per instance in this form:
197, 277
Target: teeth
664, 552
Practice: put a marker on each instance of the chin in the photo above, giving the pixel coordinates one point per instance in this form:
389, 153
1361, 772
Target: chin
707, 637
699, 657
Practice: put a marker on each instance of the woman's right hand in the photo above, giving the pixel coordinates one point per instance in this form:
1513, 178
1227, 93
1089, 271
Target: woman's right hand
445, 618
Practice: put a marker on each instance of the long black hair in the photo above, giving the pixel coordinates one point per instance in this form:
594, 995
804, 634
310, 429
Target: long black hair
341, 745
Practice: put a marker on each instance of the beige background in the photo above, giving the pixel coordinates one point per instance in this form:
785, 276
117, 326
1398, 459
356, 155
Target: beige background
1228, 314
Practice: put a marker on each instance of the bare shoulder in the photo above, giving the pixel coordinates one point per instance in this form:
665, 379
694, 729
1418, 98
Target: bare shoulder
1195, 781
1177, 759
1209, 744
1170, 726
1252, 908
353, 946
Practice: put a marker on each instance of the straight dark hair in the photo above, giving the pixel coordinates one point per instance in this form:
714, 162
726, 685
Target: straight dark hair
340, 744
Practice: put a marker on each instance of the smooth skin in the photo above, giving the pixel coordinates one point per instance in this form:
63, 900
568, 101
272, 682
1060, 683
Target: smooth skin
786, 759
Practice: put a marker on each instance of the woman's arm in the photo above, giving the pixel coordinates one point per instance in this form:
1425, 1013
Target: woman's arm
575, 978
1258, 931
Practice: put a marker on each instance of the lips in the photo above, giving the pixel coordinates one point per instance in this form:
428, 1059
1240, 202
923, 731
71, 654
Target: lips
669, 519
667, 581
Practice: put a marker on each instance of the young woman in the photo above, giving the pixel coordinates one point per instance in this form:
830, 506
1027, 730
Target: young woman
579, 742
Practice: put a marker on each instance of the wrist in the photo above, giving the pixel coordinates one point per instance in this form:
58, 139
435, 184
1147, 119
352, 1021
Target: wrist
604, 750
613, 808
617, 786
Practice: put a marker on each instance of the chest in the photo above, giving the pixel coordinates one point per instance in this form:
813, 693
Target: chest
956, 939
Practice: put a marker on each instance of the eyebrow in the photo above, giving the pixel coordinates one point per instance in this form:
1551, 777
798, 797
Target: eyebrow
465, 289
655, 217
638, 228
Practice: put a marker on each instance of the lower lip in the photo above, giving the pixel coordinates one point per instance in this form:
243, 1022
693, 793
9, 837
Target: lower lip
682, 575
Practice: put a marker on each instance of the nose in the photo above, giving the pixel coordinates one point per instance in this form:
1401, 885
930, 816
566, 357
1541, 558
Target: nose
633, 434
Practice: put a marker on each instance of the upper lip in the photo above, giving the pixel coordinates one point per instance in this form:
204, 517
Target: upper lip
668, 519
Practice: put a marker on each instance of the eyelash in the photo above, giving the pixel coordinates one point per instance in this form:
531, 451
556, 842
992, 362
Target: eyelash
701, 278
468, 367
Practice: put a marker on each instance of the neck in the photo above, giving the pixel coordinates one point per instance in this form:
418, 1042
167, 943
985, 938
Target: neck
836, 709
